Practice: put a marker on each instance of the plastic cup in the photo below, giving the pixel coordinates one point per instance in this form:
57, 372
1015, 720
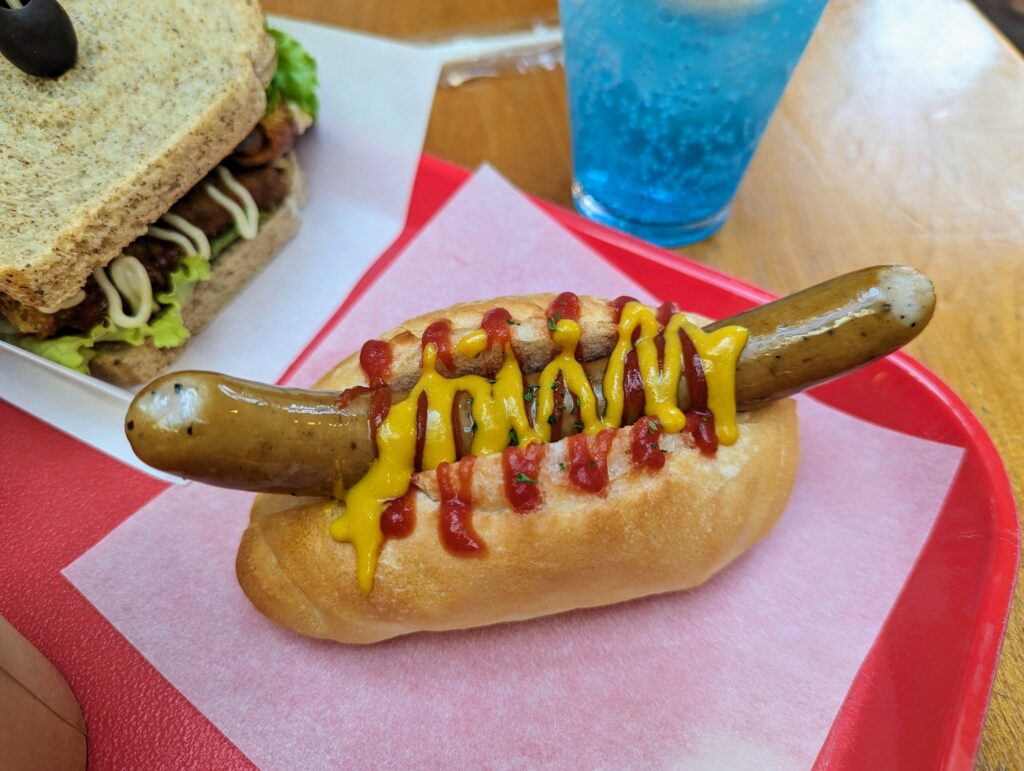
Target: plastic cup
668, 100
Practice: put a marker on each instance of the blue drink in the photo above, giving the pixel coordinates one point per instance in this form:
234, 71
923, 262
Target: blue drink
668, 100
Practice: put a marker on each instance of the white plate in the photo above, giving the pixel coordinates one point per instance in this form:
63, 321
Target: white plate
360, 163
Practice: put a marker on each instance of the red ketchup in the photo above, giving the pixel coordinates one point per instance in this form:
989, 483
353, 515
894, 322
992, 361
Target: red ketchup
700, 423
421, 428
665, 312
497, 324
345, 397
619, 303
455, 484
399, 518
643, 444
440, 334
375, 359
522, 472
588, 460
380, 405
633, 390
565, 306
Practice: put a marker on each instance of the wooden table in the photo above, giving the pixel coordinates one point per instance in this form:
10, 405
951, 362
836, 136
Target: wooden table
900, 138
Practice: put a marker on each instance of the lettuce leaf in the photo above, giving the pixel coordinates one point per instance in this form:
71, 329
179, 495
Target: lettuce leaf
295, 79
165, 328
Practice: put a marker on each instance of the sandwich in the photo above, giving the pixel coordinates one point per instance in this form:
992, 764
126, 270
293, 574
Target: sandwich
143, 188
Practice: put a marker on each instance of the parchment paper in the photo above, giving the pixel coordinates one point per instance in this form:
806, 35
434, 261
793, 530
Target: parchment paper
746, 672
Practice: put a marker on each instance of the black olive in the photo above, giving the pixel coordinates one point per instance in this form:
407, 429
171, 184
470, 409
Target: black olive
38, 38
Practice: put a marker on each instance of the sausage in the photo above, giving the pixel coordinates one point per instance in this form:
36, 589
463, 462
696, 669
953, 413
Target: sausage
243, 435
828, 329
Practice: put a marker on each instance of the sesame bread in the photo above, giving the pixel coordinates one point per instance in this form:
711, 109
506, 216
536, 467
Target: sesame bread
161, 93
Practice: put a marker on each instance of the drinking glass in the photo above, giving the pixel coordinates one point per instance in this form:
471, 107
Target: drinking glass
668, 100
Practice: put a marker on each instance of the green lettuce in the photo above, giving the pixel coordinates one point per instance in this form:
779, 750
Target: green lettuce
295, 79
165, 328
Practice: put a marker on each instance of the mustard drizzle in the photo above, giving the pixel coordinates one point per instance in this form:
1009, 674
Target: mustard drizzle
499, 406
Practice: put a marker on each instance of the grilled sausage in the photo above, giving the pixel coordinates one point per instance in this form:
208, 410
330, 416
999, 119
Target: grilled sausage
234, 433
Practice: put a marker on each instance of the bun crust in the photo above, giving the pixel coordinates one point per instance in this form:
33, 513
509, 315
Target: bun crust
127, 365
651, 532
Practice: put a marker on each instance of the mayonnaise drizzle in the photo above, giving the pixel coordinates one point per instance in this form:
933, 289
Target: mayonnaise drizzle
128, 279
185, 234
246, 216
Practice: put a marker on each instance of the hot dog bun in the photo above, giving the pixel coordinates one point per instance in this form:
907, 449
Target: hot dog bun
651, 532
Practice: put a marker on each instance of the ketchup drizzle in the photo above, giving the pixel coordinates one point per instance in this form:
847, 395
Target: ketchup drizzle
455, 520
565, 306
619, 303
421, 428
522, 476
350, 394
558, 408
588, 460
693, 370
665, 312
700, 423
440, 334
497, 324
633, 390
643, 443
380, 406
399, 519
375, 359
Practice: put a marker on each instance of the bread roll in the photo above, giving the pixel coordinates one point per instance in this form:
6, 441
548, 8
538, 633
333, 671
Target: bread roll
651, 531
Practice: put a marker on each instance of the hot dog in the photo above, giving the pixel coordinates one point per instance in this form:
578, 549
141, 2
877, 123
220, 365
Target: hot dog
245, 435
514, 515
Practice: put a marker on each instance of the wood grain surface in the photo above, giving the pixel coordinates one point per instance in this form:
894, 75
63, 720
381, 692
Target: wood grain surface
900, 139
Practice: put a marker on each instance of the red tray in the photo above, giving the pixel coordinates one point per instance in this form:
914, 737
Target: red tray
919, 697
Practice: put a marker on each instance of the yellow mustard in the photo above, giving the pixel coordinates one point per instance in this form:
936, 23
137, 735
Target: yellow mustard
499, 410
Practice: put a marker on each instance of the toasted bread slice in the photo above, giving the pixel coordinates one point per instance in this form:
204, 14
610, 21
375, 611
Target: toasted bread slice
161, 93
127, 365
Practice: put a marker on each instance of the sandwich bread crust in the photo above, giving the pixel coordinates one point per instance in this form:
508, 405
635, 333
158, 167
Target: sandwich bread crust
161, 93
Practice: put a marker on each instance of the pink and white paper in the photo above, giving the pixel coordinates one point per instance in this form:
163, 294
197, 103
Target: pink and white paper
745, 672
